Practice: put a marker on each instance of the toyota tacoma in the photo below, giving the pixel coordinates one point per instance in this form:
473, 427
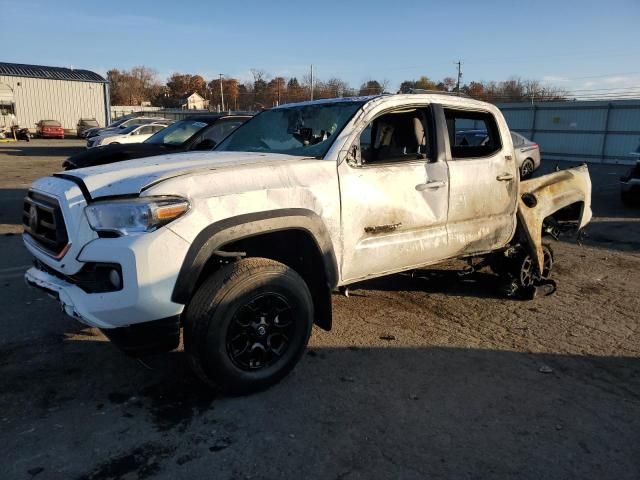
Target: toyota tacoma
241, 247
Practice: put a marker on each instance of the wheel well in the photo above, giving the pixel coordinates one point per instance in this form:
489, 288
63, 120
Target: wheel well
293, 247
570, 213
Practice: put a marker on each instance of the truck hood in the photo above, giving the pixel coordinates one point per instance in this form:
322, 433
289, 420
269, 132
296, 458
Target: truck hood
132, 176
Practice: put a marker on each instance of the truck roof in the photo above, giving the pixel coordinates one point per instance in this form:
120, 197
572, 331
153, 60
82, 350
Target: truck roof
442, 96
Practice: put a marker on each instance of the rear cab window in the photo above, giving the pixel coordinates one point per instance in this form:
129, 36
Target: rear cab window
472, 133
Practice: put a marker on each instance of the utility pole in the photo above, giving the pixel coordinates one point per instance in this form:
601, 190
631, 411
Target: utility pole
221, 95
311, 82
459, 63
278, 85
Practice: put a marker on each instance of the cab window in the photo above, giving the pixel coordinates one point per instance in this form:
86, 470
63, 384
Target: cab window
472, 134
399, 136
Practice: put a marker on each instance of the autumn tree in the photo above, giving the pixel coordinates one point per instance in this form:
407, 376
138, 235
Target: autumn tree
277, 90
181, 85
178, 86
132, 87
198, 85
371, 87
423, 83
294, 90
475, 90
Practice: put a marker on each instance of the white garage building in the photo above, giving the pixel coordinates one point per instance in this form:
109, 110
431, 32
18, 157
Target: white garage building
34, 92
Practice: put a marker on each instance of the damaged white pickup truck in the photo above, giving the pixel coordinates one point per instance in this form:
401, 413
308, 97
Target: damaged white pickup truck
242, 246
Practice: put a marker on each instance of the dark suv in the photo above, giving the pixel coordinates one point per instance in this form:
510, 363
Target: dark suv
198, 132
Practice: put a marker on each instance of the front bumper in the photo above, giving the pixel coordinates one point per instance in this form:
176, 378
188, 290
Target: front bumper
149, 263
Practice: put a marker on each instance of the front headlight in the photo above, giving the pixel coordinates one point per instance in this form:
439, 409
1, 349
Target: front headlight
135, 215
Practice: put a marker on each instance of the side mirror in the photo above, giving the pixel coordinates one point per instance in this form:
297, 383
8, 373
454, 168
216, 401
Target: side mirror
206, 144
354, 155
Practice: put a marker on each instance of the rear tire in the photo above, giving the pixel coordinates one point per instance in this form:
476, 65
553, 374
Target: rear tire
526, 169
527, 270
248, 325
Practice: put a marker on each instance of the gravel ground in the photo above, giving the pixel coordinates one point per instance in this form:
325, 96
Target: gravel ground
430, 376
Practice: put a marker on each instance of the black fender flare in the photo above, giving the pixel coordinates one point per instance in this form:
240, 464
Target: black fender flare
248, 225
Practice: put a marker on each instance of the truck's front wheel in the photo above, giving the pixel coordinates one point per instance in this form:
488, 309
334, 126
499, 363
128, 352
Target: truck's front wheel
248, 325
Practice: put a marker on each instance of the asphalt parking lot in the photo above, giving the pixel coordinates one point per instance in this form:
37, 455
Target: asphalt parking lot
431, 376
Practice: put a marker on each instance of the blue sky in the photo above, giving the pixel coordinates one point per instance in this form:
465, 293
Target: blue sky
581, 45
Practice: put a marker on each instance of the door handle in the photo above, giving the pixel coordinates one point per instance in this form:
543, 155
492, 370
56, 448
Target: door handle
505, 177
432, 185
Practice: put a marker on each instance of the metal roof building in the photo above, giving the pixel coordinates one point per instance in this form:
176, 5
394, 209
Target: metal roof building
35, 92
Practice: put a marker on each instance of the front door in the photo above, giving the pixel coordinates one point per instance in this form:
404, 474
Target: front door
394, 193
483, 179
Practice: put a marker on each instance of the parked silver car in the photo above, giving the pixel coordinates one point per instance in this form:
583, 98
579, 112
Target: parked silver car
117, 126
527, 154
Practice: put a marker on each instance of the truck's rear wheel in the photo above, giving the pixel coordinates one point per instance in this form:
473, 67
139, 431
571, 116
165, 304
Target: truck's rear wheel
528, 272
248, 325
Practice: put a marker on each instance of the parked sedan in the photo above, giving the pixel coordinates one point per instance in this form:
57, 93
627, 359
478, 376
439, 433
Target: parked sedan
92, 132
132, 134
85, 124
125, 123
199, 132
49, 129
527, 154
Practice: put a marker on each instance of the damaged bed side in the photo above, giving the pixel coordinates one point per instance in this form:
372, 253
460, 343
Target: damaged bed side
562, 197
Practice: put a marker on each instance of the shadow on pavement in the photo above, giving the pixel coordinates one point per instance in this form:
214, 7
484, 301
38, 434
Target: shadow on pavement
450, 282
78, 408
11, 201
50, 149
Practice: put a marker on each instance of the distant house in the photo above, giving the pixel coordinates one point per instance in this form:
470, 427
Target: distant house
194, 102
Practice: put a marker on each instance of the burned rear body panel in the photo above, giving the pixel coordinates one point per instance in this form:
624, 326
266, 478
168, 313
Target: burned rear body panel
542, 197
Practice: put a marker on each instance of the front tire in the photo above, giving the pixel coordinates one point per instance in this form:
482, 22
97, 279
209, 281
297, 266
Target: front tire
248, 325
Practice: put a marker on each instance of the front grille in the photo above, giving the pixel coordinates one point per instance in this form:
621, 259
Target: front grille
43, 221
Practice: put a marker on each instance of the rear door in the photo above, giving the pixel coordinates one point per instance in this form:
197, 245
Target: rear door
483, 180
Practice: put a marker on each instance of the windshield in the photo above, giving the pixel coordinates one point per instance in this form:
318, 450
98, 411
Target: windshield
89, 123
117, 122
128, 129
51, 123
176, 134
305, 130
131, 121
